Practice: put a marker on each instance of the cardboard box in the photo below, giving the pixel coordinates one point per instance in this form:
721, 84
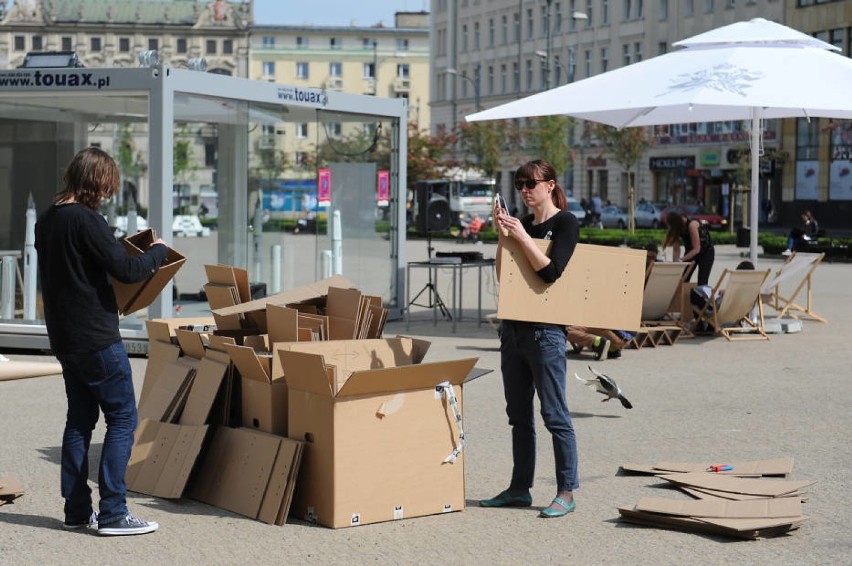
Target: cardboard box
378, 440
132, 297
264, 393
601, 287
10, 490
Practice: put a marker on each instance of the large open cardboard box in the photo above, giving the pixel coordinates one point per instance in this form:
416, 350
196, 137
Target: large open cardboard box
379, 429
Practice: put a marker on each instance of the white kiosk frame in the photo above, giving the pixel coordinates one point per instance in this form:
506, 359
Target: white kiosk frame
74, 98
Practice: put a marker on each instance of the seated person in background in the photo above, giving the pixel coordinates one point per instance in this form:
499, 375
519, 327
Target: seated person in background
605, 343
700, 294
799, 237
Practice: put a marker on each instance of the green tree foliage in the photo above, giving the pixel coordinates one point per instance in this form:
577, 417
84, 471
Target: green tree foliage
485, 142
626, 146
271, 163
428, 156
548, 136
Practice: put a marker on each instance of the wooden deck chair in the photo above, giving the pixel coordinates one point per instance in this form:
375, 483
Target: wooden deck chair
663, 281
796, 273
729, 316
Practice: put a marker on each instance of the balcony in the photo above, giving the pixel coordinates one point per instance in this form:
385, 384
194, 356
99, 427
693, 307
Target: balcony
402, 84
334, 83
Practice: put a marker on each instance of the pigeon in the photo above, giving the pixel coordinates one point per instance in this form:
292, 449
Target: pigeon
605, 384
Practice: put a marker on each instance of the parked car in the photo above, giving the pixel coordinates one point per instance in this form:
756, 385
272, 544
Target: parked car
577, 210
186, 225
648, 214
716, 221
614, 217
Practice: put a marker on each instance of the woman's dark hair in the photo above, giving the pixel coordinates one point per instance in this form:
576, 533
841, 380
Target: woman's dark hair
543, 170
91, 176
676, 227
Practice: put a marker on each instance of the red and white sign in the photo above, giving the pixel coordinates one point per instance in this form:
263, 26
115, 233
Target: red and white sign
383, 188
324, 187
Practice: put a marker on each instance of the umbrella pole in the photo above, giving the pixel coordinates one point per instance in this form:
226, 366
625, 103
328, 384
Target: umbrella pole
755, 181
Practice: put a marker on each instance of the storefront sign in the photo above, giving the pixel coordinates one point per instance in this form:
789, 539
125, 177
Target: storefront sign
681, 162
709, 158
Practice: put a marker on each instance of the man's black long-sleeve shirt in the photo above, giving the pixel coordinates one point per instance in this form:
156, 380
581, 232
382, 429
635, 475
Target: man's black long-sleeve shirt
77, 257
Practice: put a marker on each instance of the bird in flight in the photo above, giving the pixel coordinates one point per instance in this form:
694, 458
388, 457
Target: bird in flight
607, 386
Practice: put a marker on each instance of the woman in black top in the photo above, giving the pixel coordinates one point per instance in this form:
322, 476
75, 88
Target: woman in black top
697, 243
532, 355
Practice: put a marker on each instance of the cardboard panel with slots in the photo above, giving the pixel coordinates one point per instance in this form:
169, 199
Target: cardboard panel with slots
601, 287
132, 297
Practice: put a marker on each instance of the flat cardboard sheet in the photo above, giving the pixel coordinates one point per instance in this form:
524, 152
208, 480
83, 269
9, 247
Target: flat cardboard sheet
733, 528
774, 467
601, 287
719, 508
162, 458
749, 486
297, 295
22, 370
10, 490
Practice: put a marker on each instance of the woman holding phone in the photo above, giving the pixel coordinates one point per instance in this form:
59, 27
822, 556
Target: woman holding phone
532, 354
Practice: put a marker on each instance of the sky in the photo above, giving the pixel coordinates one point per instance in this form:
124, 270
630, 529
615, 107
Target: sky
333, 12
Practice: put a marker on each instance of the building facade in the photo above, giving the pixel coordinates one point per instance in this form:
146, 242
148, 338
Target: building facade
114, 34
499, 51
383, 61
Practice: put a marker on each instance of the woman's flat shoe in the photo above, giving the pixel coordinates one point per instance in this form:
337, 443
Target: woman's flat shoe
505, 499
550, 512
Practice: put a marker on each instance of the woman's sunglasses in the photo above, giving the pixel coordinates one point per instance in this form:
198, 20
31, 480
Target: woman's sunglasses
521, 184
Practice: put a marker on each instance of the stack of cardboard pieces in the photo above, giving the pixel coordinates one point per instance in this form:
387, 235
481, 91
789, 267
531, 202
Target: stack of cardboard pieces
747, 501
377, 433
10, 490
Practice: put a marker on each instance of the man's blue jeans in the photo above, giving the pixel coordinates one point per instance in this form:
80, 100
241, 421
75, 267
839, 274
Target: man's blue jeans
94, 382
533, 361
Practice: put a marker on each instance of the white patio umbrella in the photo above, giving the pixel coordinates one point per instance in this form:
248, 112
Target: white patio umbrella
744, 71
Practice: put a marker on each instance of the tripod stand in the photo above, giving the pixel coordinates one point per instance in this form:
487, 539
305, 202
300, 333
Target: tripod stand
434, 297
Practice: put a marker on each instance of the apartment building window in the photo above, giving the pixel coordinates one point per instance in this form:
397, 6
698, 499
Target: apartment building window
588, 63
504, 30
604, 59
625, 54
302, 130
464, 82
369, 71
708, 6
20, 43
557, 69
227, 46
530, 24
300, 158
490, 79
605, 12
210, 155
37, 42
403, 70
335, 43
210, 46
492, 32
544, 22
123, 44
836, 38
557, 13
516, 77
504, 79
529, 74
302, 70
335, 69
302, 42
662, 48
640, 9
807, 139
476, 35
589, 13
67, 44
334, 129
628, 9
638, 51
269, 68
153, 44
688, 8
464, 37
516, 27
664, 10
542, 74
401, 44
94, 44
730, 4
366, 43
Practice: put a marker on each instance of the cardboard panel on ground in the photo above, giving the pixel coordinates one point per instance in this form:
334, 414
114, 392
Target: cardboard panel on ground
376, 439
601, 287
10, 490
22, 370
132, 297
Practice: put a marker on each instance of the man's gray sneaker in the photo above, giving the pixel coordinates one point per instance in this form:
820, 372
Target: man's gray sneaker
92, 521
128, 525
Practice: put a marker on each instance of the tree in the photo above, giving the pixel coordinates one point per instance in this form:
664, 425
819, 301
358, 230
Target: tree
271, 163
183, 168
626, 146
357, 147
485, 141
548, 136
130, 162
427, 154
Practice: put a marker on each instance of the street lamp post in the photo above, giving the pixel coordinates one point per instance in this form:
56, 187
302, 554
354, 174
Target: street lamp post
475, 81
